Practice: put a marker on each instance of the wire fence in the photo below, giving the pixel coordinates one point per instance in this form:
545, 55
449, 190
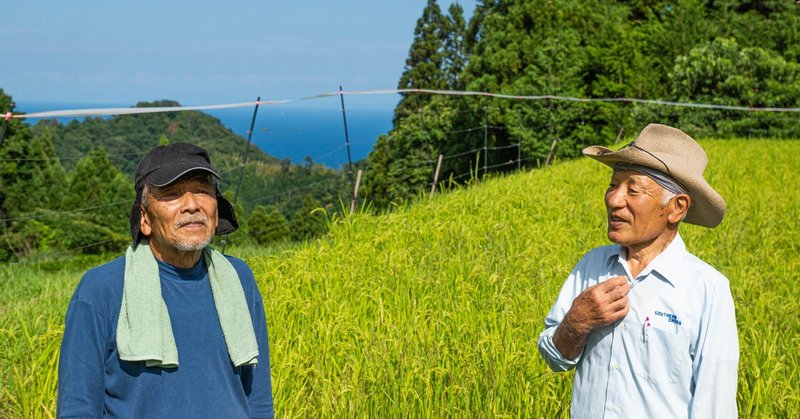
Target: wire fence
517, 125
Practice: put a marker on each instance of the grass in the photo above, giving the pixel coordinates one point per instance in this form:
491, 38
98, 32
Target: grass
434, 310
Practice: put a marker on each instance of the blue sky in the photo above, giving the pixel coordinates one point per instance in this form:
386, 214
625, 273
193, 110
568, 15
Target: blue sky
203, 52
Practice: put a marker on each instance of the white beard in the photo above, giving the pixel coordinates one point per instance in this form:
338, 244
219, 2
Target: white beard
193, 246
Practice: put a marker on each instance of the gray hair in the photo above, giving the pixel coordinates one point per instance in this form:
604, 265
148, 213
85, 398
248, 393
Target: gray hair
145, 192
667, 195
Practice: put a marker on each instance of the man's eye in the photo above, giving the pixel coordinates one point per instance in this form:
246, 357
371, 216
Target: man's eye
168, 195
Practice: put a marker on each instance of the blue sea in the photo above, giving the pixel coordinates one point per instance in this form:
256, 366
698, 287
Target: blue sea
318, 133
283, 131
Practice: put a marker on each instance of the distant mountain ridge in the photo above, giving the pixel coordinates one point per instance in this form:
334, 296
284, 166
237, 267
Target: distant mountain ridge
127, 137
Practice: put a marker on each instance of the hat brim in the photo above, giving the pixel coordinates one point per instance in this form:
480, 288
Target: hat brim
708, 207
166, 175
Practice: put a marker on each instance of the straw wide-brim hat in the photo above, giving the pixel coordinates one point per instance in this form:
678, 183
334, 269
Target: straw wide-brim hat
671, 151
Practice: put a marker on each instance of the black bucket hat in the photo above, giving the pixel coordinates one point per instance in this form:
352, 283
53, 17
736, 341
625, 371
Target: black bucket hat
164, 165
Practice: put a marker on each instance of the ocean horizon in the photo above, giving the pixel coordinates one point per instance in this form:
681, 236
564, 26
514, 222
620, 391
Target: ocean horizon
281, 131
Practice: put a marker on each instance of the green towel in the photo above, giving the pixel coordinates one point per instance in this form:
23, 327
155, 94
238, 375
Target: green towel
144, 332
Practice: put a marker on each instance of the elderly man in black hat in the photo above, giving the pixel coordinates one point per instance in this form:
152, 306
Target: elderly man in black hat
173, 328
649, 327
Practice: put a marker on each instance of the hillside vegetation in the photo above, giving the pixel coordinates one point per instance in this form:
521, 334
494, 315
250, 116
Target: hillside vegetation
434, 310
66, 190
724, 52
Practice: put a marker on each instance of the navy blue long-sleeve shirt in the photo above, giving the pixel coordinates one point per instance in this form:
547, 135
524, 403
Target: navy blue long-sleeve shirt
94, 382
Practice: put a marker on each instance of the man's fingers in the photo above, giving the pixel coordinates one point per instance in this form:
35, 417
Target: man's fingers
603, 303
611, 283
621, 313
616, 288
621, 304
620, 291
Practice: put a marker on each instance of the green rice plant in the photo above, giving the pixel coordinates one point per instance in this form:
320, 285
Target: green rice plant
434, 310
32, 309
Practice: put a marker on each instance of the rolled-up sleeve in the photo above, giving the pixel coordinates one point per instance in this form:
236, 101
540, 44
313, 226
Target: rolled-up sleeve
552, 356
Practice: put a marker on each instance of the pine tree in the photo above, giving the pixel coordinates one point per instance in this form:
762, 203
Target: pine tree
101, 186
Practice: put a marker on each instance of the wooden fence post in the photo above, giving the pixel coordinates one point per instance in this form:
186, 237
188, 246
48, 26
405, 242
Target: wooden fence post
355, 193
619, 134
550, 154
436, 175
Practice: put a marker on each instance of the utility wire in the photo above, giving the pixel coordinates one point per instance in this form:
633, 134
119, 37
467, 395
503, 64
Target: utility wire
504, 147
74, 158
31, 217
464, 153
130, 111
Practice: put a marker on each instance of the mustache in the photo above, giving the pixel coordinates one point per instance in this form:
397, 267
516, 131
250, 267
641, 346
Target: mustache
199, 218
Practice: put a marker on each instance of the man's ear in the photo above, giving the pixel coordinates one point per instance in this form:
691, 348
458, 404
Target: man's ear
680, 206
144, 223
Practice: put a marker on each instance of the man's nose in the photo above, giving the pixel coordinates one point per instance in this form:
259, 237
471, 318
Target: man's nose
614, 198
189, 202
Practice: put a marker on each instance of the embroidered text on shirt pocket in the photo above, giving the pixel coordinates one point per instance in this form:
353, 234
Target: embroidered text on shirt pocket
662, 357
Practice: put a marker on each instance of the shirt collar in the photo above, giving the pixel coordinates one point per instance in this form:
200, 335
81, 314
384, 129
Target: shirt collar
195, 273
668, 264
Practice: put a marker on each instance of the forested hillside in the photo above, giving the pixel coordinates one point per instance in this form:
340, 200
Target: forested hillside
67, 189
719, 52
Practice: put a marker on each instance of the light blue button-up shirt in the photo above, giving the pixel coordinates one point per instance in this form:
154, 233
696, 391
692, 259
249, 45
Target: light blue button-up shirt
676, 353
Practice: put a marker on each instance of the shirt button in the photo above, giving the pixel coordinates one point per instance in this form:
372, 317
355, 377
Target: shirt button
610, 408
622, 326
616, 366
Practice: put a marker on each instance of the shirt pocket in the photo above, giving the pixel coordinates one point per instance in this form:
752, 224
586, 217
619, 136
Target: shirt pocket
662, 357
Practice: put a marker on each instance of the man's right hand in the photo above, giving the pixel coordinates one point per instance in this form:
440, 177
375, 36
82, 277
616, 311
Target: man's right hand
598, 305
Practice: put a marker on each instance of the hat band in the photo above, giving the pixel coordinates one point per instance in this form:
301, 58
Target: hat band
664, 180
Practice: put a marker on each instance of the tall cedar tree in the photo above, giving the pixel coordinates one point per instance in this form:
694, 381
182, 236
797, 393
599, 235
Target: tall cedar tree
454, 51
402, 161
425, 62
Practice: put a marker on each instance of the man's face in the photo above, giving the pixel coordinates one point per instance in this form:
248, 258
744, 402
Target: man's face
180, 217
636, 212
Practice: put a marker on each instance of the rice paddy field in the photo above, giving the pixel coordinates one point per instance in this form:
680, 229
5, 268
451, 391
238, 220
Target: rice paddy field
434, 310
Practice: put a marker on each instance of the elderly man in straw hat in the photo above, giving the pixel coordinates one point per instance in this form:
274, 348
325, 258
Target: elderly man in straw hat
649, 327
